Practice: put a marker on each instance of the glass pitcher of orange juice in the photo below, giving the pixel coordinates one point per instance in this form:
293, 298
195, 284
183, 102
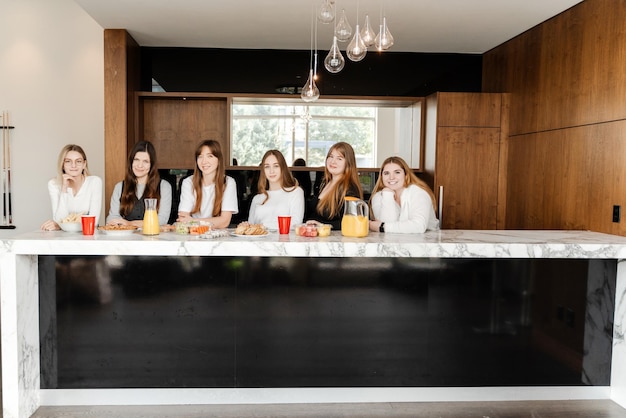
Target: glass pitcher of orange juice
150, 218
355, 221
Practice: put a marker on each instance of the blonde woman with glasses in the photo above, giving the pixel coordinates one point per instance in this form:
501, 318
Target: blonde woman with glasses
74, 190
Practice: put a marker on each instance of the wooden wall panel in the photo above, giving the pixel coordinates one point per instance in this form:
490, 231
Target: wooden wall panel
469, 200
121, 80
502, 159
569, 71
469, 109
567, 84
568, 179
175, 126
514, 68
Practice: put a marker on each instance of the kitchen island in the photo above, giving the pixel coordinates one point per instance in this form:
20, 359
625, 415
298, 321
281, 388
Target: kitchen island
28, 269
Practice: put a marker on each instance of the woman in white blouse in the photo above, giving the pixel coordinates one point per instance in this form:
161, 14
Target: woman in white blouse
401, 202
209, 194
74, 190
279, 193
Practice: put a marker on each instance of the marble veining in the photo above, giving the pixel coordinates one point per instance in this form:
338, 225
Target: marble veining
19, 283
441, 244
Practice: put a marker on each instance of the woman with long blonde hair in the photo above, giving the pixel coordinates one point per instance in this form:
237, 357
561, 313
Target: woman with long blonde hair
208, 194
401, 202
341, 179
279, 193
73, 190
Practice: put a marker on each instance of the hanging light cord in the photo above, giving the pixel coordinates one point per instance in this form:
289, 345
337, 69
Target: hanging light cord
315, 61
312, 18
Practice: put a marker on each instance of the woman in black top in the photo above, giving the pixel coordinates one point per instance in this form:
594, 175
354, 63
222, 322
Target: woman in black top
341, 179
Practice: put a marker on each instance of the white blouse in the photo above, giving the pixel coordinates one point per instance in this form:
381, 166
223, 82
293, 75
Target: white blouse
279, 203
188, 198
87, 201
415, 214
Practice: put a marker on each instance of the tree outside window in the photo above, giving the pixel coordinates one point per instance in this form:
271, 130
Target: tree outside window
301, 132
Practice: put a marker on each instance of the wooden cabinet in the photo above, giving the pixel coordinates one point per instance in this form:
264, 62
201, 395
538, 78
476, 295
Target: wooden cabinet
465, 143
176, 123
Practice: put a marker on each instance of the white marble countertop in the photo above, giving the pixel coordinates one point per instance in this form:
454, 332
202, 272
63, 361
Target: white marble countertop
440, 244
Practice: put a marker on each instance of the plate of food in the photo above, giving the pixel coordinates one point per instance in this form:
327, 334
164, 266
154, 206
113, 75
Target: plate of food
248, 230
249, 236
118, 229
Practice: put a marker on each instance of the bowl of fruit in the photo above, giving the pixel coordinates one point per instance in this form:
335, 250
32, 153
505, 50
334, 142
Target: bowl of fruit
311, 229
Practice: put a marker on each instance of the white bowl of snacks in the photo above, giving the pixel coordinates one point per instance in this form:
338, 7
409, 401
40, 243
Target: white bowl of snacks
72, 223
71, 226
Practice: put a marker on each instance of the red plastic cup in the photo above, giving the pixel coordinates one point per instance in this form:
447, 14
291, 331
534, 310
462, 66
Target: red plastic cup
88, 223
284, 223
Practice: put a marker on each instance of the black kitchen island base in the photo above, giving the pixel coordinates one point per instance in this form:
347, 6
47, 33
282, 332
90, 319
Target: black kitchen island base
269, 322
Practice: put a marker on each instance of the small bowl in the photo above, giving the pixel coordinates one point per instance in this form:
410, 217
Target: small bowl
71, 226
313, 230
192, 227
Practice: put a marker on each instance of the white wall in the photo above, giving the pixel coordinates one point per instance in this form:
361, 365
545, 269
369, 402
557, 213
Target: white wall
399, 134
52, 85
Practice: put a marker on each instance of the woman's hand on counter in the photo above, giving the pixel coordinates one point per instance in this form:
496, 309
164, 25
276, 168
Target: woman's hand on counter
375, 226
50, 225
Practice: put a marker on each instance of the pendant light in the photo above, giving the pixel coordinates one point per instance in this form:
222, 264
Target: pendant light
310, 92
343, 30
334, 61
367, 34
356, 48
326, 12
384, 39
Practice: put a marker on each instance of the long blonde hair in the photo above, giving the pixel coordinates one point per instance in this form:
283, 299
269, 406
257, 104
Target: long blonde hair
220, 177
332, 202
287, 181
61, 161
409, 178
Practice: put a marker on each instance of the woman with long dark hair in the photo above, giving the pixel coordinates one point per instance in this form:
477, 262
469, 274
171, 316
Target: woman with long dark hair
141, 181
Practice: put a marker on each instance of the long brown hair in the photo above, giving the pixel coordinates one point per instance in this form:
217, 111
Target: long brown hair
409, 178
333, 201
287, 181
129, 191
220, 176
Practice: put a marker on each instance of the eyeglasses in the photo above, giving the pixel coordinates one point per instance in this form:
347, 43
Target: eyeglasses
73, 162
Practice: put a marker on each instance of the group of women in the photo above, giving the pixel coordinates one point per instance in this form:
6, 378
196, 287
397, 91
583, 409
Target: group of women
400, 202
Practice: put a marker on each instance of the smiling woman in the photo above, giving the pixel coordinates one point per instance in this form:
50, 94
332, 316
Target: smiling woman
142, 181
74, 190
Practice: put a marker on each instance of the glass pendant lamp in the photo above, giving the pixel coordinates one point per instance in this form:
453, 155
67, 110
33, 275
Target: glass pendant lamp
384, 39
343, 30
356, 48
334, 61
367, 34
326, 12
310, 92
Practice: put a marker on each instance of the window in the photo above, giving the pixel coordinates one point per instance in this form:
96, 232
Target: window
376, 129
